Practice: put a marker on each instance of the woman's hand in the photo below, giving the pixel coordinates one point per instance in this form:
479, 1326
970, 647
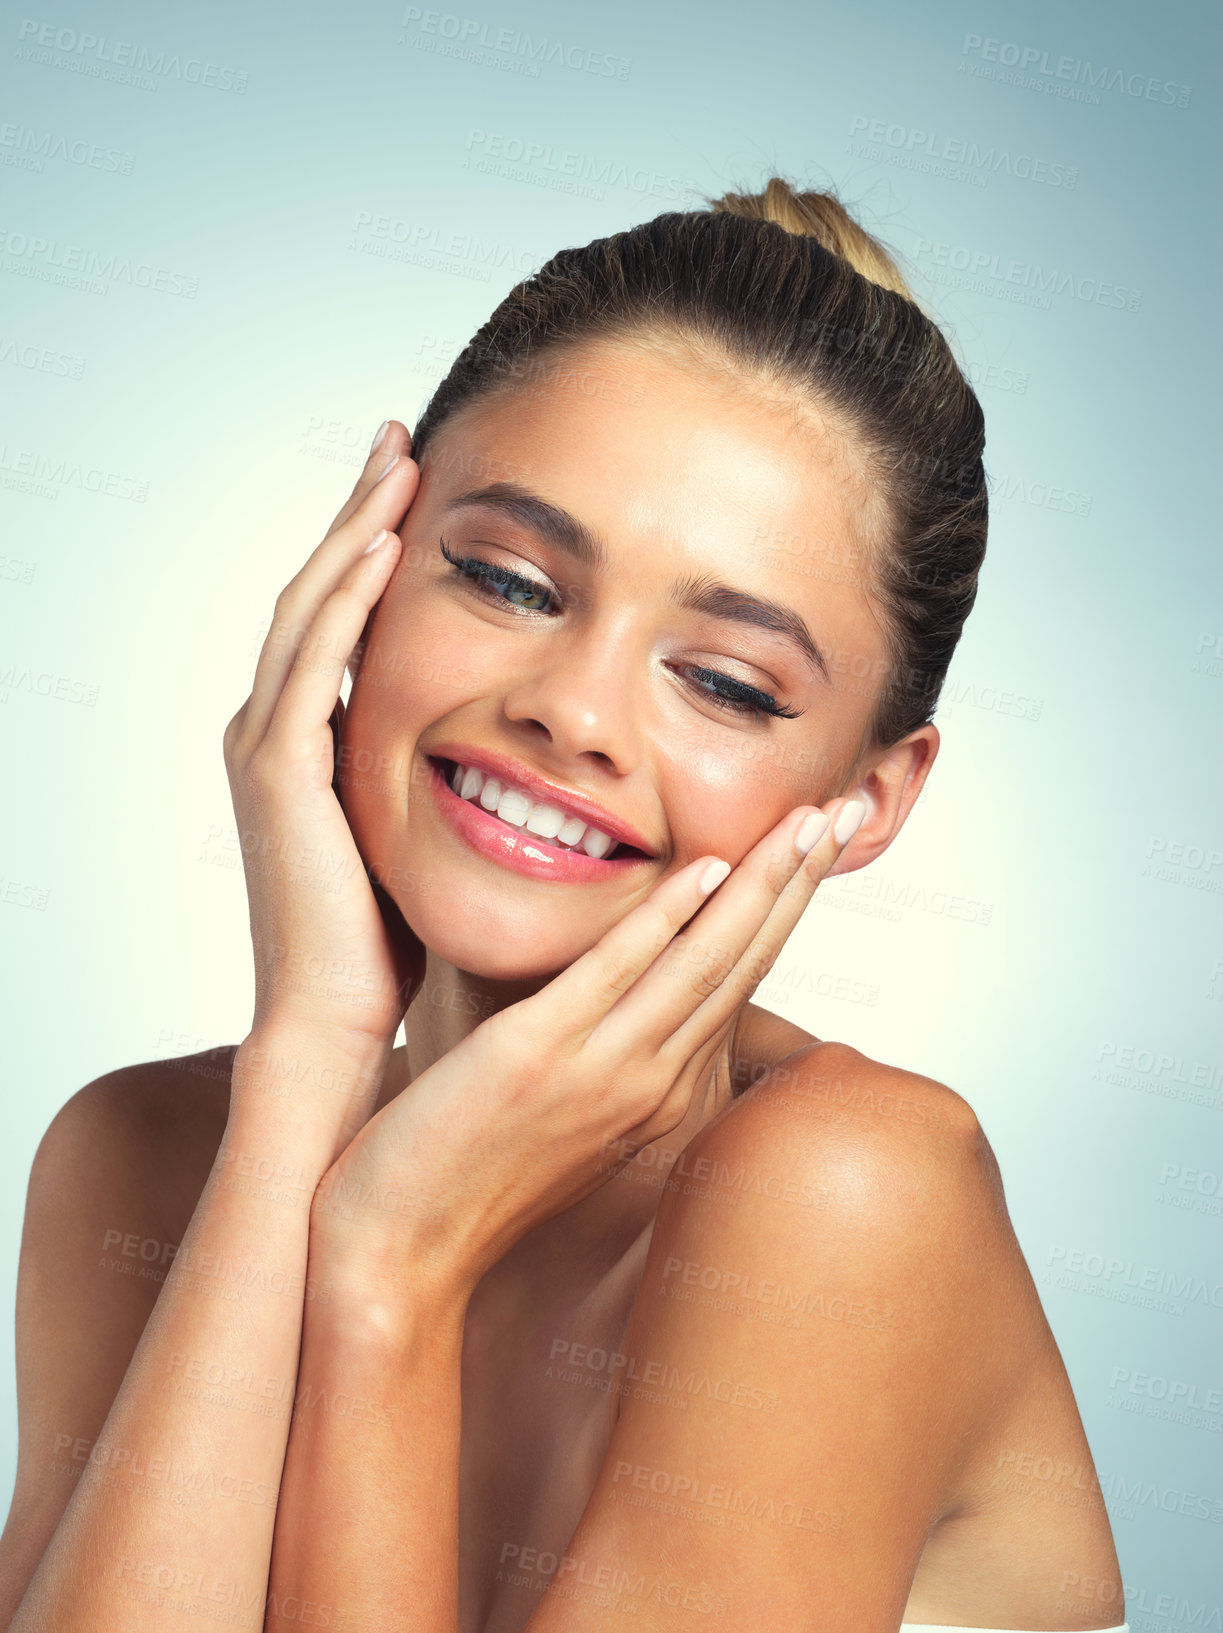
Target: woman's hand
546, 1099
333, 959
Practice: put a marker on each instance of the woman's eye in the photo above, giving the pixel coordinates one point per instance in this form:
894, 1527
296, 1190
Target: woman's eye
512, 590
725, 692
497, 583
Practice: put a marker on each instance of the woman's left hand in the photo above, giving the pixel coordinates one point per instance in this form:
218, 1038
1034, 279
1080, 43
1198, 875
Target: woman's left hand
546, 1099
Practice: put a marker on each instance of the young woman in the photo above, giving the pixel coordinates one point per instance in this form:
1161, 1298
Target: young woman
609, 1298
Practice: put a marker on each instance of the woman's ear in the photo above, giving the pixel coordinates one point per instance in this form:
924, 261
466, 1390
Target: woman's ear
889, 787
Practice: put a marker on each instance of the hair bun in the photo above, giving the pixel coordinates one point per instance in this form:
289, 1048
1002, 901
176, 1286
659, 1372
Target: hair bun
823, 217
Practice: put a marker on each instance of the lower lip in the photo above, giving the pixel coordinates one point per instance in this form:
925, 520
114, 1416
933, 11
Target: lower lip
517, 848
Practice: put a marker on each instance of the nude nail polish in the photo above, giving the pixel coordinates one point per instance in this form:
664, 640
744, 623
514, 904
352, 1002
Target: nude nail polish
811, 830
849, 820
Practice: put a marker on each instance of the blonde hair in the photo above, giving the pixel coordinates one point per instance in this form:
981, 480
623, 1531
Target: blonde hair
823, 217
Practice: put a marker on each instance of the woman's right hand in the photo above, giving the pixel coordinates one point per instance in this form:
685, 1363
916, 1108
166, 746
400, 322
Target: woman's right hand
333, 959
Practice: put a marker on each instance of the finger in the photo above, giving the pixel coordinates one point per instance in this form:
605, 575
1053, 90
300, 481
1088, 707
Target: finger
719, 959
297, 606
574, 1002
311, 688
392, 439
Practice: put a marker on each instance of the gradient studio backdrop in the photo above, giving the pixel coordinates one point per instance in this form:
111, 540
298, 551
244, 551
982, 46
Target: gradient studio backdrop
234, 240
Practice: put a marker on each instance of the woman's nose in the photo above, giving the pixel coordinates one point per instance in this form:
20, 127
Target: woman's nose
584, 701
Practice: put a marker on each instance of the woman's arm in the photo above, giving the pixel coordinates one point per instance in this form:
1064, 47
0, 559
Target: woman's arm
129, 1553
369, 1503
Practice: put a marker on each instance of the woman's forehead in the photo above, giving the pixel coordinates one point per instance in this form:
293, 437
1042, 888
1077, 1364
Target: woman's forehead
668, 454
682, 489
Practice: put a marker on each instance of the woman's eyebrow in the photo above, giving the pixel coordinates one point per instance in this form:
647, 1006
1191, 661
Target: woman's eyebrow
565, 532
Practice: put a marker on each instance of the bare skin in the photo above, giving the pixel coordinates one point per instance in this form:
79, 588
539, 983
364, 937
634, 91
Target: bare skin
128, 1160
999, 1534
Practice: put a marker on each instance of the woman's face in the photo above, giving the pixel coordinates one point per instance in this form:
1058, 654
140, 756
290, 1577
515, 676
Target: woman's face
614, 679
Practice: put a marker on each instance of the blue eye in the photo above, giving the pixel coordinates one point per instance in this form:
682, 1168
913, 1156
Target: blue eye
509, 590
486, 574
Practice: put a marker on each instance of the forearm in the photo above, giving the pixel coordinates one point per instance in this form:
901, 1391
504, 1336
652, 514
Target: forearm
172, 1518
368, 1515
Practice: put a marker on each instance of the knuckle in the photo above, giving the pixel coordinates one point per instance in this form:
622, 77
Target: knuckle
703, 965
777, 874
620, 977
759, 960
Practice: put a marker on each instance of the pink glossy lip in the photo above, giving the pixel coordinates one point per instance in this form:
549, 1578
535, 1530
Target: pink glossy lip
515, 847
512, 771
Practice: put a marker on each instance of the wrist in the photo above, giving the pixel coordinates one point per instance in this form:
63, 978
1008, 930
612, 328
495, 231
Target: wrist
313, 1089
377, 1242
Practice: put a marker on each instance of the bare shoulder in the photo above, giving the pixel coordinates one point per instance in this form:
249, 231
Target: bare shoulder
837, 1104
820, 1298
846, 1169
155, 1125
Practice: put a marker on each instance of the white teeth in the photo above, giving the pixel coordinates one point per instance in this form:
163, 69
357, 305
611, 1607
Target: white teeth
596, 843
490, 793
572, 829
540, 817
471, 781
514, 808
547, 820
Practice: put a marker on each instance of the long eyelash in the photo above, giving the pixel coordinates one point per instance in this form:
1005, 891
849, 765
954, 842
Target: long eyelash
733, 695
482, 573
743, 697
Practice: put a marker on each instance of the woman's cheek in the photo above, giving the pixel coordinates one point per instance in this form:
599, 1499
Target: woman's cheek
421, 658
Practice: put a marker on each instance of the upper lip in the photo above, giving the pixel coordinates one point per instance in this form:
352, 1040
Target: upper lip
508, 770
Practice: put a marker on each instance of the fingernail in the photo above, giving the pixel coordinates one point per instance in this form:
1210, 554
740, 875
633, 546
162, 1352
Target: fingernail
382, 430
379, 538
849, 820
712, 877
388, 470
811, 830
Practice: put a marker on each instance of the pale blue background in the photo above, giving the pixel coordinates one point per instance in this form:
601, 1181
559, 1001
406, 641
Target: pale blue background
1081, 722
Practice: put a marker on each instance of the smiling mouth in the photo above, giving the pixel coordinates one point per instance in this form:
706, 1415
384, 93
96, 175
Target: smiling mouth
516, 808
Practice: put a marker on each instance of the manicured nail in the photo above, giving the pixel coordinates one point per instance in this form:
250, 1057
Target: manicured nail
712, 877
382, 430
811, 830
379, 538
388, 470
849, 820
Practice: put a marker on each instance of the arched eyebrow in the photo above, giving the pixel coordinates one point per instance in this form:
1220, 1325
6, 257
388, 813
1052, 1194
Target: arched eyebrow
561, 529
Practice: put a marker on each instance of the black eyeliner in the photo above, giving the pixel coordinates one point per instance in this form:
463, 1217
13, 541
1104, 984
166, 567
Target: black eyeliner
720, 688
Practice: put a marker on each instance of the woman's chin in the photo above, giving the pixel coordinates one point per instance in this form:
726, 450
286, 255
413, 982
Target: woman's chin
490, 949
